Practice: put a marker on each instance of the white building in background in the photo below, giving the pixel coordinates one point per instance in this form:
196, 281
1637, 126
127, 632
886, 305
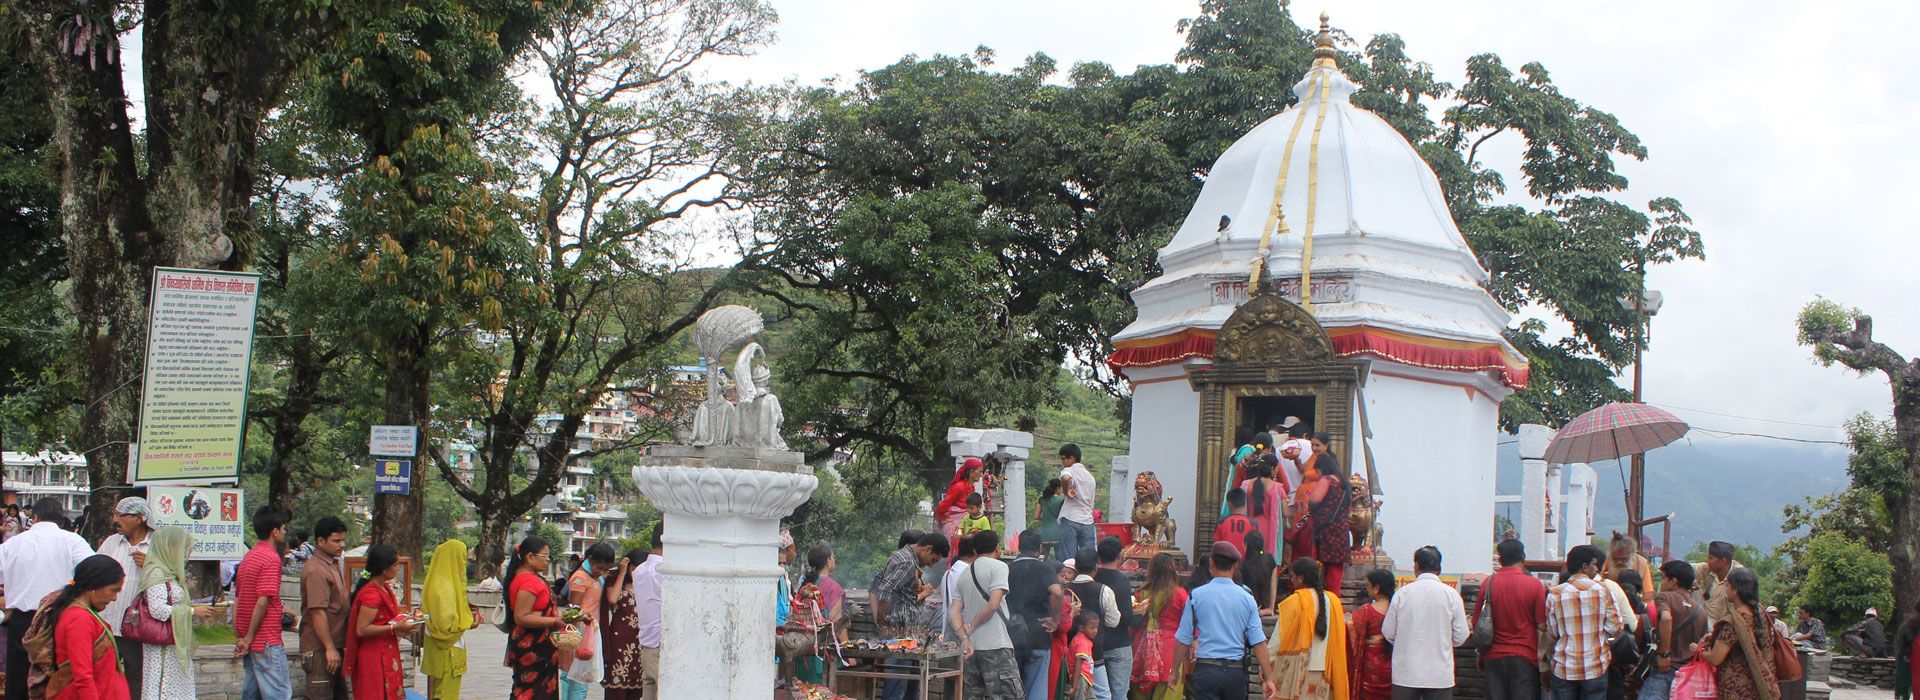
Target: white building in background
31, 476
1398, 333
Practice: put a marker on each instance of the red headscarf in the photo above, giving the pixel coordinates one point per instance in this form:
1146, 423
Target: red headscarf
957, 490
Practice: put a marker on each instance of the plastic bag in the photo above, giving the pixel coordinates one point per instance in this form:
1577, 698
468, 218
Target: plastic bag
588, 670
1694, 681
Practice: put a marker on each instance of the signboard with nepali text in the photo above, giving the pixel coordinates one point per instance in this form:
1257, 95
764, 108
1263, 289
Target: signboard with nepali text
212, 516
393, 476
193, 400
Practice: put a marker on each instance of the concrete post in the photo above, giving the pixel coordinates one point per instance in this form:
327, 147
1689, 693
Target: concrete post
1533, 488
1014, 495
723, 507
1556, 512
1581, 485
1120, 490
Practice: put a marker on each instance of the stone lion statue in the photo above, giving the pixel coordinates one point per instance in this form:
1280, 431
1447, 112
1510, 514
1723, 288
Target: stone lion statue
1153, 526
1363, 521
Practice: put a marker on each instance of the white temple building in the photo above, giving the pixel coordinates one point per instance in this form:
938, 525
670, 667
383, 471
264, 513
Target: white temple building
1398, 334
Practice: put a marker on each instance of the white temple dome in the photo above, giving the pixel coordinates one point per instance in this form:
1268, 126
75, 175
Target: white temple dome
1385, 259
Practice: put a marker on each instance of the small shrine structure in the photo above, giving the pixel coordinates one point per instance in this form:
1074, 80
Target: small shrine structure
1320, 275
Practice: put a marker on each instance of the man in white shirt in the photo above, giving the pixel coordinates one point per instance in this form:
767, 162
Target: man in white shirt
1076, 513
979, 613
132, 525
647, 603
1425, 621
34, 564
1293, 449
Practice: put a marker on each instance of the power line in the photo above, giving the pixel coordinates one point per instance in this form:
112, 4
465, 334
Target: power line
1728, 433
1760, 420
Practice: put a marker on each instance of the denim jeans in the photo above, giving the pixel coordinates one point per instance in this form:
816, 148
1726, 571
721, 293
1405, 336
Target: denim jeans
1033, 673
571, 689
1591, 689
1100, 689
1075, 537
266, 675
1658, 686
896, 689
1119, 671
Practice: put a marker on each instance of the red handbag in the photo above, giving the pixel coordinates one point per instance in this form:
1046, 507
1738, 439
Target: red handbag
139, 624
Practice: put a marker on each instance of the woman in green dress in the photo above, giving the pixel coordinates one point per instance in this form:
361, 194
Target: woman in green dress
1049, 523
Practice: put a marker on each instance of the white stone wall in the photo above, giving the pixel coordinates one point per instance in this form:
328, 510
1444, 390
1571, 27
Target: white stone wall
1166, 441
1434, 445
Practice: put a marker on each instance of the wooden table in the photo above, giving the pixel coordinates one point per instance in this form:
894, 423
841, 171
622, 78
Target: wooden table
945, 667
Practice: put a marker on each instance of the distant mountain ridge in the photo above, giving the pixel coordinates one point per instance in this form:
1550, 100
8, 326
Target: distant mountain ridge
1730, 490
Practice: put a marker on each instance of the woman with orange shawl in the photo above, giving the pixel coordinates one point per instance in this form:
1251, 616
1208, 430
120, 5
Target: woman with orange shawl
954, 506
372, 662
1309, 644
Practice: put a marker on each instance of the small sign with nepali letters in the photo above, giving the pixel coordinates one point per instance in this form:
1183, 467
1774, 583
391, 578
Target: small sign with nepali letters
212, 516
393, 440
393, 476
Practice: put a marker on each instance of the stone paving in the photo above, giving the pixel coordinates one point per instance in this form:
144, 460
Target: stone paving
1861, 694
486, 678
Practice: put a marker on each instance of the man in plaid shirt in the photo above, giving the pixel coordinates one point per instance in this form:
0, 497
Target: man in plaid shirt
1581, 615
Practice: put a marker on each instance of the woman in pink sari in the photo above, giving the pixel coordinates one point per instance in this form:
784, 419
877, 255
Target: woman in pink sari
954, 506
1266, 499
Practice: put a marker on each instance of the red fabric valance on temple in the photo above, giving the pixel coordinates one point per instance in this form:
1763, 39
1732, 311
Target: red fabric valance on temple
1394, 346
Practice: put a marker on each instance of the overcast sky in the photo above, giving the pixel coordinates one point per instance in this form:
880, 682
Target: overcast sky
1786, 130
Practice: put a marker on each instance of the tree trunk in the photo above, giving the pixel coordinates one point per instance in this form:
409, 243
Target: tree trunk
397, 518
103, 217
1904, 508
306, 369
493, 547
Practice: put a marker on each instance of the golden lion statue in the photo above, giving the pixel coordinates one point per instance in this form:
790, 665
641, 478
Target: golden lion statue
1153, 526
1363, 518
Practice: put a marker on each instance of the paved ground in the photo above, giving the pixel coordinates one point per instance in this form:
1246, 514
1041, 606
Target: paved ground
488, 680
1860, 694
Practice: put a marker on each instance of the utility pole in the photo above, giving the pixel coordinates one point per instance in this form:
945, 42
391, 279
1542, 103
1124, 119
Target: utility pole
1644, 305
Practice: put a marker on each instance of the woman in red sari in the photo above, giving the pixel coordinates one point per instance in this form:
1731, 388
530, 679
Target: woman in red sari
1369, 657
1154, 646
530, 651
953, 507
80, 648
373, 649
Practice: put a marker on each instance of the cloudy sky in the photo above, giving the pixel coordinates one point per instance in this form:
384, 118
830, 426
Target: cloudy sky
1785, 129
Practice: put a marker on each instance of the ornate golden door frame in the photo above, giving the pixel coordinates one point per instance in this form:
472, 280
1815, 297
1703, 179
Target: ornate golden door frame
1268, 347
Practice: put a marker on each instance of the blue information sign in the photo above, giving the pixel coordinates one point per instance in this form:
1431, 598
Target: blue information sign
393, 476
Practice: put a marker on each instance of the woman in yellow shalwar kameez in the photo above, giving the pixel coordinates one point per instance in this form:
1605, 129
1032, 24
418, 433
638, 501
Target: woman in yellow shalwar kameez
1309, 643
443, 659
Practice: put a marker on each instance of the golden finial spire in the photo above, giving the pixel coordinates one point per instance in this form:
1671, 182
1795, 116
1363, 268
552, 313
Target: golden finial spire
1323, 42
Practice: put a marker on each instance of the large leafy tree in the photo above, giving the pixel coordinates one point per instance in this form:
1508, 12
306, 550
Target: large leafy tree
34, 390
176, 193
431, 227
631, 149
945, 231
1886, 458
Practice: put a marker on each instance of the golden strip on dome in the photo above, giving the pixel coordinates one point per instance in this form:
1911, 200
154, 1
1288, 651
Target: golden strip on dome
1277, 219
1323, 58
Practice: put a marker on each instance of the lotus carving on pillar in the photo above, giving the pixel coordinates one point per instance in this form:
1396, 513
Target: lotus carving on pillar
710, 492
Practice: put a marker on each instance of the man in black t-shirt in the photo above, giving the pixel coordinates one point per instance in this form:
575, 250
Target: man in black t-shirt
1033, 592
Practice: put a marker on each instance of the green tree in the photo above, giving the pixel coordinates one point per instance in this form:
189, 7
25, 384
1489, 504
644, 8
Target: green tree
1885, 459
176, 193
1844, 578
1856, 514
430, 219
633, 148
36, 389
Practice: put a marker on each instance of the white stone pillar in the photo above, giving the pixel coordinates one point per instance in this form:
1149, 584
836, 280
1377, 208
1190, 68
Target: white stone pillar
1120, 490
1578, 528
721, 570
1013, 493
1556, 512
1533, 488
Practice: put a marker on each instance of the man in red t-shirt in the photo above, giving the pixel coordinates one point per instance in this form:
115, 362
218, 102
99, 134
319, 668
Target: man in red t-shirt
257, 610
1519, 617
1235, 528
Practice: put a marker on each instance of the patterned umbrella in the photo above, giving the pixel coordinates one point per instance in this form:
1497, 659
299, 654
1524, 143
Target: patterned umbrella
1614, 431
